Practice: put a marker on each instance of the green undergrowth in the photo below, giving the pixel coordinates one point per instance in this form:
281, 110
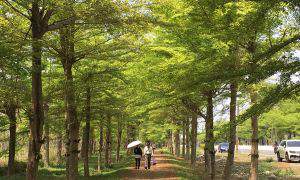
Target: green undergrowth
57, 172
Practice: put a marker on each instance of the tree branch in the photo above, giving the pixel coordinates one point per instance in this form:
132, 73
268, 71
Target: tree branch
193, 107
274, 49
16, 9
60, 24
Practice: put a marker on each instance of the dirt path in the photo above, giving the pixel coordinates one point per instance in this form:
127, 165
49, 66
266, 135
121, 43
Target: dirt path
162, 170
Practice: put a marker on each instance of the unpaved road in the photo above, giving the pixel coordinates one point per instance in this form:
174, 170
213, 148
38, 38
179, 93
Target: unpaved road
162, 170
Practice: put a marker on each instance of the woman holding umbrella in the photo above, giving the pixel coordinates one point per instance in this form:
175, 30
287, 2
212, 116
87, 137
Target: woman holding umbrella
137, 152
138, 155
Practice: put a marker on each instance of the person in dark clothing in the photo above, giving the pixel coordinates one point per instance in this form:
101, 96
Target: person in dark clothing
138, 155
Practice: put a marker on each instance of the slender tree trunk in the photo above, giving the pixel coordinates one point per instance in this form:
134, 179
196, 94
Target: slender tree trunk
183, 139
37, 120
237, 138
232, 132
59, 150
193, 139
47, 146
177, 143
187, 138
173, 143
108, 142
119, 139
170, 142
254, 142
82, 150
92, 140
47, 138
127, 138
87, 131
10, 110
209, 137
100, 147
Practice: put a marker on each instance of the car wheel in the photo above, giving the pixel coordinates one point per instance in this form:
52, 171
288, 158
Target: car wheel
287, 158
279, 159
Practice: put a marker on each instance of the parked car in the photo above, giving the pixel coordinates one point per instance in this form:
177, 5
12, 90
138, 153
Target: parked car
289, 150
223, 147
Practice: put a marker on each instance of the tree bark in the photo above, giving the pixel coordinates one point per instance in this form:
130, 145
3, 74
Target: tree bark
254, 142
108, 142
37, 119
187, 134
47, 138
68, 59
59, 150
127, 138
119, 139
100, 147
209, 138
176, 143
11, 110
232, 132
87, 131
91, 141
193, 139
183, 139
170, 142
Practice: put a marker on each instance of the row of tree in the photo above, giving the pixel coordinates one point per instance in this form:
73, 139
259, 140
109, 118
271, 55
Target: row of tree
148, 69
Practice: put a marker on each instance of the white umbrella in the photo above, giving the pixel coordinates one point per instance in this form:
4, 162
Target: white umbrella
134, 143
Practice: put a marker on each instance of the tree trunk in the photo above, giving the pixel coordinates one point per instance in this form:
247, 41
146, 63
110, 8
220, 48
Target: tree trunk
100, 147
68, 59
92, 141
47, 145
119, 139
47, 138
177, 143
37, 119
209, 137
108, 142
254, 142
82, 149
87, 131
127, 138
232, 132
187, 138
193, 139
170, 142
73, 127
10, 110
183, 139
59, 150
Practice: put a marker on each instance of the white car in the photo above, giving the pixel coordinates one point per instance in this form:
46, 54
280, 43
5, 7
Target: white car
289, 150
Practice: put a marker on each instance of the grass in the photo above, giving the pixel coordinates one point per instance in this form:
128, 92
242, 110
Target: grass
57, 172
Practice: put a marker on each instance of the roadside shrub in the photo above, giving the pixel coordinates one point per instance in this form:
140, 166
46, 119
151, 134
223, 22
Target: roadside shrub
269, 159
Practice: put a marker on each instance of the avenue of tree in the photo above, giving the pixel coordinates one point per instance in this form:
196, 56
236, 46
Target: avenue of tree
83, 78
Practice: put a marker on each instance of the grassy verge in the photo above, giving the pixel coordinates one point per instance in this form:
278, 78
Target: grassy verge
58, 172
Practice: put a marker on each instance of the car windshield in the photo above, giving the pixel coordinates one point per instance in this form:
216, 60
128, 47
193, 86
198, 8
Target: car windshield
293, 143
224, 144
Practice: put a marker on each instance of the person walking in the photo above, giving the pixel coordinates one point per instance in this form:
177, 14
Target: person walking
138, 155
148, 153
